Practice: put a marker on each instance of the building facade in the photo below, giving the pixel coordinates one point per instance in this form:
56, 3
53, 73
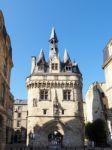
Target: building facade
20, 121
98, 99
6, 65
9, 121
96, 103
55, 105
107, 67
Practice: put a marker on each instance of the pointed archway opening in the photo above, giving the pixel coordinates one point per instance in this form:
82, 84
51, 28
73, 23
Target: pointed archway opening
55, 139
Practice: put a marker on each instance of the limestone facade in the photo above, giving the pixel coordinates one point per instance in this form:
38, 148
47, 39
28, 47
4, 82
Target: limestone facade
98, 99
107, 67
6, 65
55, 103
96, 103
20, 120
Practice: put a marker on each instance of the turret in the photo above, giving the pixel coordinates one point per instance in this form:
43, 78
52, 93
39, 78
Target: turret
53, 44
41, 62
66, 58
41, 57
33, 64
54, 60
67, 62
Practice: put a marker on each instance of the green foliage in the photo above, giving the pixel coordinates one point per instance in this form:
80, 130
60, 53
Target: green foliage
96, 131
88, 131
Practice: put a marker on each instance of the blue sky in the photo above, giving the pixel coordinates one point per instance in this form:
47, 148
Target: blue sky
83, 27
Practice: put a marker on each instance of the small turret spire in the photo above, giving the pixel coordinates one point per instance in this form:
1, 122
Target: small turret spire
66, 57
53, 36
41, 56
53, 44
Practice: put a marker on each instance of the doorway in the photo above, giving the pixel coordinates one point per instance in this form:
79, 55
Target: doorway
55, 139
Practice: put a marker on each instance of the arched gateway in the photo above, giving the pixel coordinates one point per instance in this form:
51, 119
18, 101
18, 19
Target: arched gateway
55, 112
55, 139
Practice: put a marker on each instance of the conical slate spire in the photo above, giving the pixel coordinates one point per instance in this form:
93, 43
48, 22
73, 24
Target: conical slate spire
66, 57
53, 36
41, 56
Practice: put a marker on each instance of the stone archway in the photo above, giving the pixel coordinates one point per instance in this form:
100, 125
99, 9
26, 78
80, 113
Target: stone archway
42, 134
55, 139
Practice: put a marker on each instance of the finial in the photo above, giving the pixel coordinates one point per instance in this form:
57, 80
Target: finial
53, 35
66, 56
41, 56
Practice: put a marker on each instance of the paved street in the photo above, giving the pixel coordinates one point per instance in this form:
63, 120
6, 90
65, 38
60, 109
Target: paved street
52, 147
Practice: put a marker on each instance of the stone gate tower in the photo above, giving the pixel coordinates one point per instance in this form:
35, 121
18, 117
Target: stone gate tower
55, 113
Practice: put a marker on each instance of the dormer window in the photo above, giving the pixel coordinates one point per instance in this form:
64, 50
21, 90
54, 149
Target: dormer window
41, 67
68, 68
54, 66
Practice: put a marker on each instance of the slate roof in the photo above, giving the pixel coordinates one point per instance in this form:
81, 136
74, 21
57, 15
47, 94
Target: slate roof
19, 101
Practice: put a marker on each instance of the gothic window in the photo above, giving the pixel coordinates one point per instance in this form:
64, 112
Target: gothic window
19, 115
54, 66
44, 111
68, 68
44, 94
63, 111
66, 95
34, 102
18, 123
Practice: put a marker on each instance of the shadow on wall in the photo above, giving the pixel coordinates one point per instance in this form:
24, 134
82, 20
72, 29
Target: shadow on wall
100, 104
56, 132
101, 110
19, 136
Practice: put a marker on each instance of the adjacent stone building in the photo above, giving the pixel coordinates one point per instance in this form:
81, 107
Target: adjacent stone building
107, 67
20, 113
9, 122
96, 103
98, 99
55, 112
6, 97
